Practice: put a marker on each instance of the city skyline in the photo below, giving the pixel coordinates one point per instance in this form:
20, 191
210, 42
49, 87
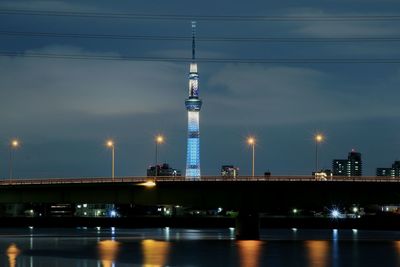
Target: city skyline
62, 110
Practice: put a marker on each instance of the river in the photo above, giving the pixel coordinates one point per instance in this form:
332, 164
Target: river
197, 247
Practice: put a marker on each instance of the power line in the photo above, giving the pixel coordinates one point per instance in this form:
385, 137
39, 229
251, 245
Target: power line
204, 39
208, 60
87, 14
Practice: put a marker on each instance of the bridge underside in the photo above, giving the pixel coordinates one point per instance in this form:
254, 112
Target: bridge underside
257, 195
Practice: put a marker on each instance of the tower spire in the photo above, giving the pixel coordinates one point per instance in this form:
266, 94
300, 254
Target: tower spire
193, 40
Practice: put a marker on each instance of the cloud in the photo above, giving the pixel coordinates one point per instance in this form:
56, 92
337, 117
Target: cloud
47, 5
346, 28
38, 92
281, 95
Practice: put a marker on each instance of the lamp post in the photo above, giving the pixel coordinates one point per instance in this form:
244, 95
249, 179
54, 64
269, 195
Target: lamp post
159, 140
110, 144
252, 141
14, 144
319, 138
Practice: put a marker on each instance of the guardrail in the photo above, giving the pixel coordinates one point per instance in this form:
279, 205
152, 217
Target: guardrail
160, 179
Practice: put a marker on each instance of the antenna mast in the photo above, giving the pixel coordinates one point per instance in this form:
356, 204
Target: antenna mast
193, 40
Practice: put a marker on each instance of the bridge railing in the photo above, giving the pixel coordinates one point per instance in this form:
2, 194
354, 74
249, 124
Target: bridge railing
281, 178
161, 179
72, 180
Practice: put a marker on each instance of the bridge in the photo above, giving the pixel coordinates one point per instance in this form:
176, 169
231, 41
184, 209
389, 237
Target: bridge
258, 192
248, 195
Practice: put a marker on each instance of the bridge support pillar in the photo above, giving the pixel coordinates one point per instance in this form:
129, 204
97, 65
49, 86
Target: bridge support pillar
247, 225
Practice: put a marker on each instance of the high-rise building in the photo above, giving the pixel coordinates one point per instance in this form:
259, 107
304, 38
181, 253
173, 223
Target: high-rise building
352, 166
394, 171
193, 106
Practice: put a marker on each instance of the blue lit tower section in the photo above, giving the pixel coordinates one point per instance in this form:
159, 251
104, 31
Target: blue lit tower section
193, 106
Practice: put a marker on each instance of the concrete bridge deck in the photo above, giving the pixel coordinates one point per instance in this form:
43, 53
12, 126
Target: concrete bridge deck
160, 179
259, 193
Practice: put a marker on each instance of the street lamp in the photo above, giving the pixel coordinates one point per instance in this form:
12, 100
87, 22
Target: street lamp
159, 140
110, 144
252, 141
318, 138
14, 144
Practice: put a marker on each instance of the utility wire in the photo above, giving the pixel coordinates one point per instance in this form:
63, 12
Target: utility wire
208, 60
203, 39
88, 14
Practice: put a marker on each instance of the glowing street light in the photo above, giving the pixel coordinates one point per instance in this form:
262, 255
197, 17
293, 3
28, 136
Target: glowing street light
14, 145
158, 140
252, 141
110, 144
318, 138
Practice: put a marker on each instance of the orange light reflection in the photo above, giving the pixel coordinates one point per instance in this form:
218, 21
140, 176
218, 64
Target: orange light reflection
108, 251
12, 252
249, 252
397, 247
155, 253
317, 252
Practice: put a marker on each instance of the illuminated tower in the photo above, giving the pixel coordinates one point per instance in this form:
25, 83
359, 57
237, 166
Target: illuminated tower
193, 106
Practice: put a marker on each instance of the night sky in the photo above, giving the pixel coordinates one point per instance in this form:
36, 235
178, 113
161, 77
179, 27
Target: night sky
63, 110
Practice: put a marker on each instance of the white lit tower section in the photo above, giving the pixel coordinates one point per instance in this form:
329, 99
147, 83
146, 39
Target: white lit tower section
193, 106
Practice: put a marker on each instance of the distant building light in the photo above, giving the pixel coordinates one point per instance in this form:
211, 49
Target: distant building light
113, 213
229, 171
335, 213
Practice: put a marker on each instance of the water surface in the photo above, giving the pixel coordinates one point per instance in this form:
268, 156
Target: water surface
192, 247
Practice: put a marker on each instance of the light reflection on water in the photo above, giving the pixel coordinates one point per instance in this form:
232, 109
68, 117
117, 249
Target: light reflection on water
396, 245
192, 247
155, 252
249, 252
108, 251
318, 251
12, 253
